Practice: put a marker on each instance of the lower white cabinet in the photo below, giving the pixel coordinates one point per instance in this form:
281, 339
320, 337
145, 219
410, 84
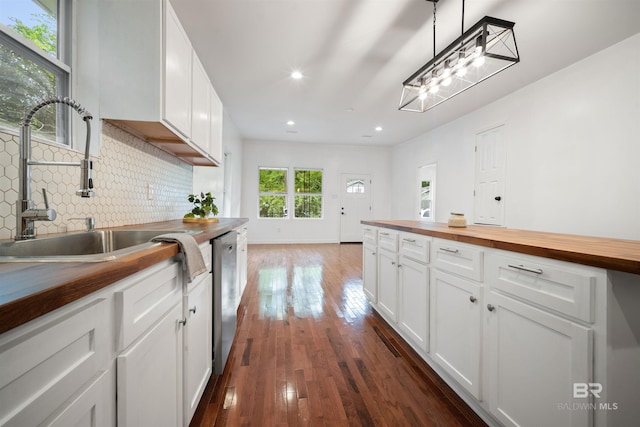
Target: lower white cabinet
197, 342
55, 370
242, 254
149, 379
388, 283
370, 272
534, 359
456, 328
413, 315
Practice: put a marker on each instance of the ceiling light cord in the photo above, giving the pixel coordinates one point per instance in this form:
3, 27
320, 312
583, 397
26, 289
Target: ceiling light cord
434, 29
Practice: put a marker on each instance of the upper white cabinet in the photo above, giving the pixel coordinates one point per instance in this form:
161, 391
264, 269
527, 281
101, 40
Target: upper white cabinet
149, 76
178, 76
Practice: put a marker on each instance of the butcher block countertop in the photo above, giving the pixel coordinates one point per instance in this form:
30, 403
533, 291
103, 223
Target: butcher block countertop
30, 290
610, 254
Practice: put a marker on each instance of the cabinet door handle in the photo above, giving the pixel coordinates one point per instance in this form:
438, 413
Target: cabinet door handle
473, 299
393, 263
373, 253
453, 251
182, 322
523, 268
409, 240
193, 310
490, 307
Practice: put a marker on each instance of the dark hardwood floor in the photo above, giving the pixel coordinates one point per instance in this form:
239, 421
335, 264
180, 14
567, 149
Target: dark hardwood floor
310, 350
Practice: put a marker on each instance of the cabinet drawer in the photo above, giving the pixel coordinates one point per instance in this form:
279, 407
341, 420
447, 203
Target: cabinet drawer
369, 235
459, 258
563, 287
46, 363
148, 296
414, 246
388, 239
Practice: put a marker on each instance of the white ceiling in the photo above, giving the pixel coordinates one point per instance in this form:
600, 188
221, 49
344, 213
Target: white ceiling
356, 53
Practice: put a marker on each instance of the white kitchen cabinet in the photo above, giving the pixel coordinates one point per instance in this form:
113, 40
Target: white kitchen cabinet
200, 105
534, 359
456, 328
177, 74
370, 272
149, 379
216, 120
56, 369
242, 254
388, 283
148, 79
198, 305
149, 340
413, 314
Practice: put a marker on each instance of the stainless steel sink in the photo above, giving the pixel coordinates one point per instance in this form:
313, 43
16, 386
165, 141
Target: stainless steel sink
90, 246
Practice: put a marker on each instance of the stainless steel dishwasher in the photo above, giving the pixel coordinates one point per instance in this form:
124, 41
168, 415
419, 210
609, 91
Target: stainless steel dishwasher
225, 298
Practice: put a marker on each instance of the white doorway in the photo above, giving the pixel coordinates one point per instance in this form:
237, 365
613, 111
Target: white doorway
427, 193
490, 176
355, 205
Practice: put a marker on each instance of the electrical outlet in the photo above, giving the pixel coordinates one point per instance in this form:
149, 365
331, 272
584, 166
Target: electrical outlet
150, 193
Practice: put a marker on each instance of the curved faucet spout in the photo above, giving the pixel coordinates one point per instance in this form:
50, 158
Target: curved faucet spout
26, 215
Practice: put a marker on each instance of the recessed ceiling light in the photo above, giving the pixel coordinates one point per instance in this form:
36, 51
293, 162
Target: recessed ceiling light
367, 136
378, 128
349, 110
292, 131
297, 75
290, 122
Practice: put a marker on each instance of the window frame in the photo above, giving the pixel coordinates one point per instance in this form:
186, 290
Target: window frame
58, 66
274, 193
298, 194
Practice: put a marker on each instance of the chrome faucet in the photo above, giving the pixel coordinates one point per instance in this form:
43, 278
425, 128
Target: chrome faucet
26, 213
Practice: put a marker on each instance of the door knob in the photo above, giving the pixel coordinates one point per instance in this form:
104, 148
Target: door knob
498, 198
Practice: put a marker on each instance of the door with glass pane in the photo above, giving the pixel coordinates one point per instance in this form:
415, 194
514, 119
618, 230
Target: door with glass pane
355, 205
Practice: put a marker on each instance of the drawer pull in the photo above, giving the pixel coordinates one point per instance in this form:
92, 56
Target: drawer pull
453, 251
384, 234
523, 268
409, 240
490, 307
473, 299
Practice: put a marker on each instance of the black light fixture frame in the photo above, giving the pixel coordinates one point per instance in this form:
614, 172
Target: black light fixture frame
479, 31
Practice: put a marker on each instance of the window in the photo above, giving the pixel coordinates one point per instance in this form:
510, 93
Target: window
272, 201
355, 185
33, 65
308, 196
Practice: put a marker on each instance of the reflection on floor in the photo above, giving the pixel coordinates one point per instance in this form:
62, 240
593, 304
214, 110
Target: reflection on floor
311, 351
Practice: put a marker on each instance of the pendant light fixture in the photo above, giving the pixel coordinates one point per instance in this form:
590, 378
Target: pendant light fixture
482, 51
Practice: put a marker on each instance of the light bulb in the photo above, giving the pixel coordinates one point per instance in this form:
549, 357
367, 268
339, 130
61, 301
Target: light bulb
423, 92
446, 74
434, 88
479, 61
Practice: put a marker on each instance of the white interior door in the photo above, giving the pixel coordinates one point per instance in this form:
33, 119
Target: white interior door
355, 205
490, 170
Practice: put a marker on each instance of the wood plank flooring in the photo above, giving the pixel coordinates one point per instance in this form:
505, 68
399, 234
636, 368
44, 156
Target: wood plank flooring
310, 351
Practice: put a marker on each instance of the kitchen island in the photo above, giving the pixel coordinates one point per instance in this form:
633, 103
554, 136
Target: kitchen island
529, 328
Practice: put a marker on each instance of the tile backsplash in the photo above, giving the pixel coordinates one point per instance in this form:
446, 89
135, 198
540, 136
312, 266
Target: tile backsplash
134, 182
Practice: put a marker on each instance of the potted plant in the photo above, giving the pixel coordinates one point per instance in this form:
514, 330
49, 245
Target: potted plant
204, 208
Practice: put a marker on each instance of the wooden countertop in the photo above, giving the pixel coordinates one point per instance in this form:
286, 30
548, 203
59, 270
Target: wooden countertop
30, 290
611, 254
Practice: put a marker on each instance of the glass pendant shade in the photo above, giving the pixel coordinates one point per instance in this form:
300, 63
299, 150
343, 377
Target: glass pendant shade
482, 51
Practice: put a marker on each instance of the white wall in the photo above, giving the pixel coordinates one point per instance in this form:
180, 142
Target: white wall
333, 160
211, 179
573, 151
